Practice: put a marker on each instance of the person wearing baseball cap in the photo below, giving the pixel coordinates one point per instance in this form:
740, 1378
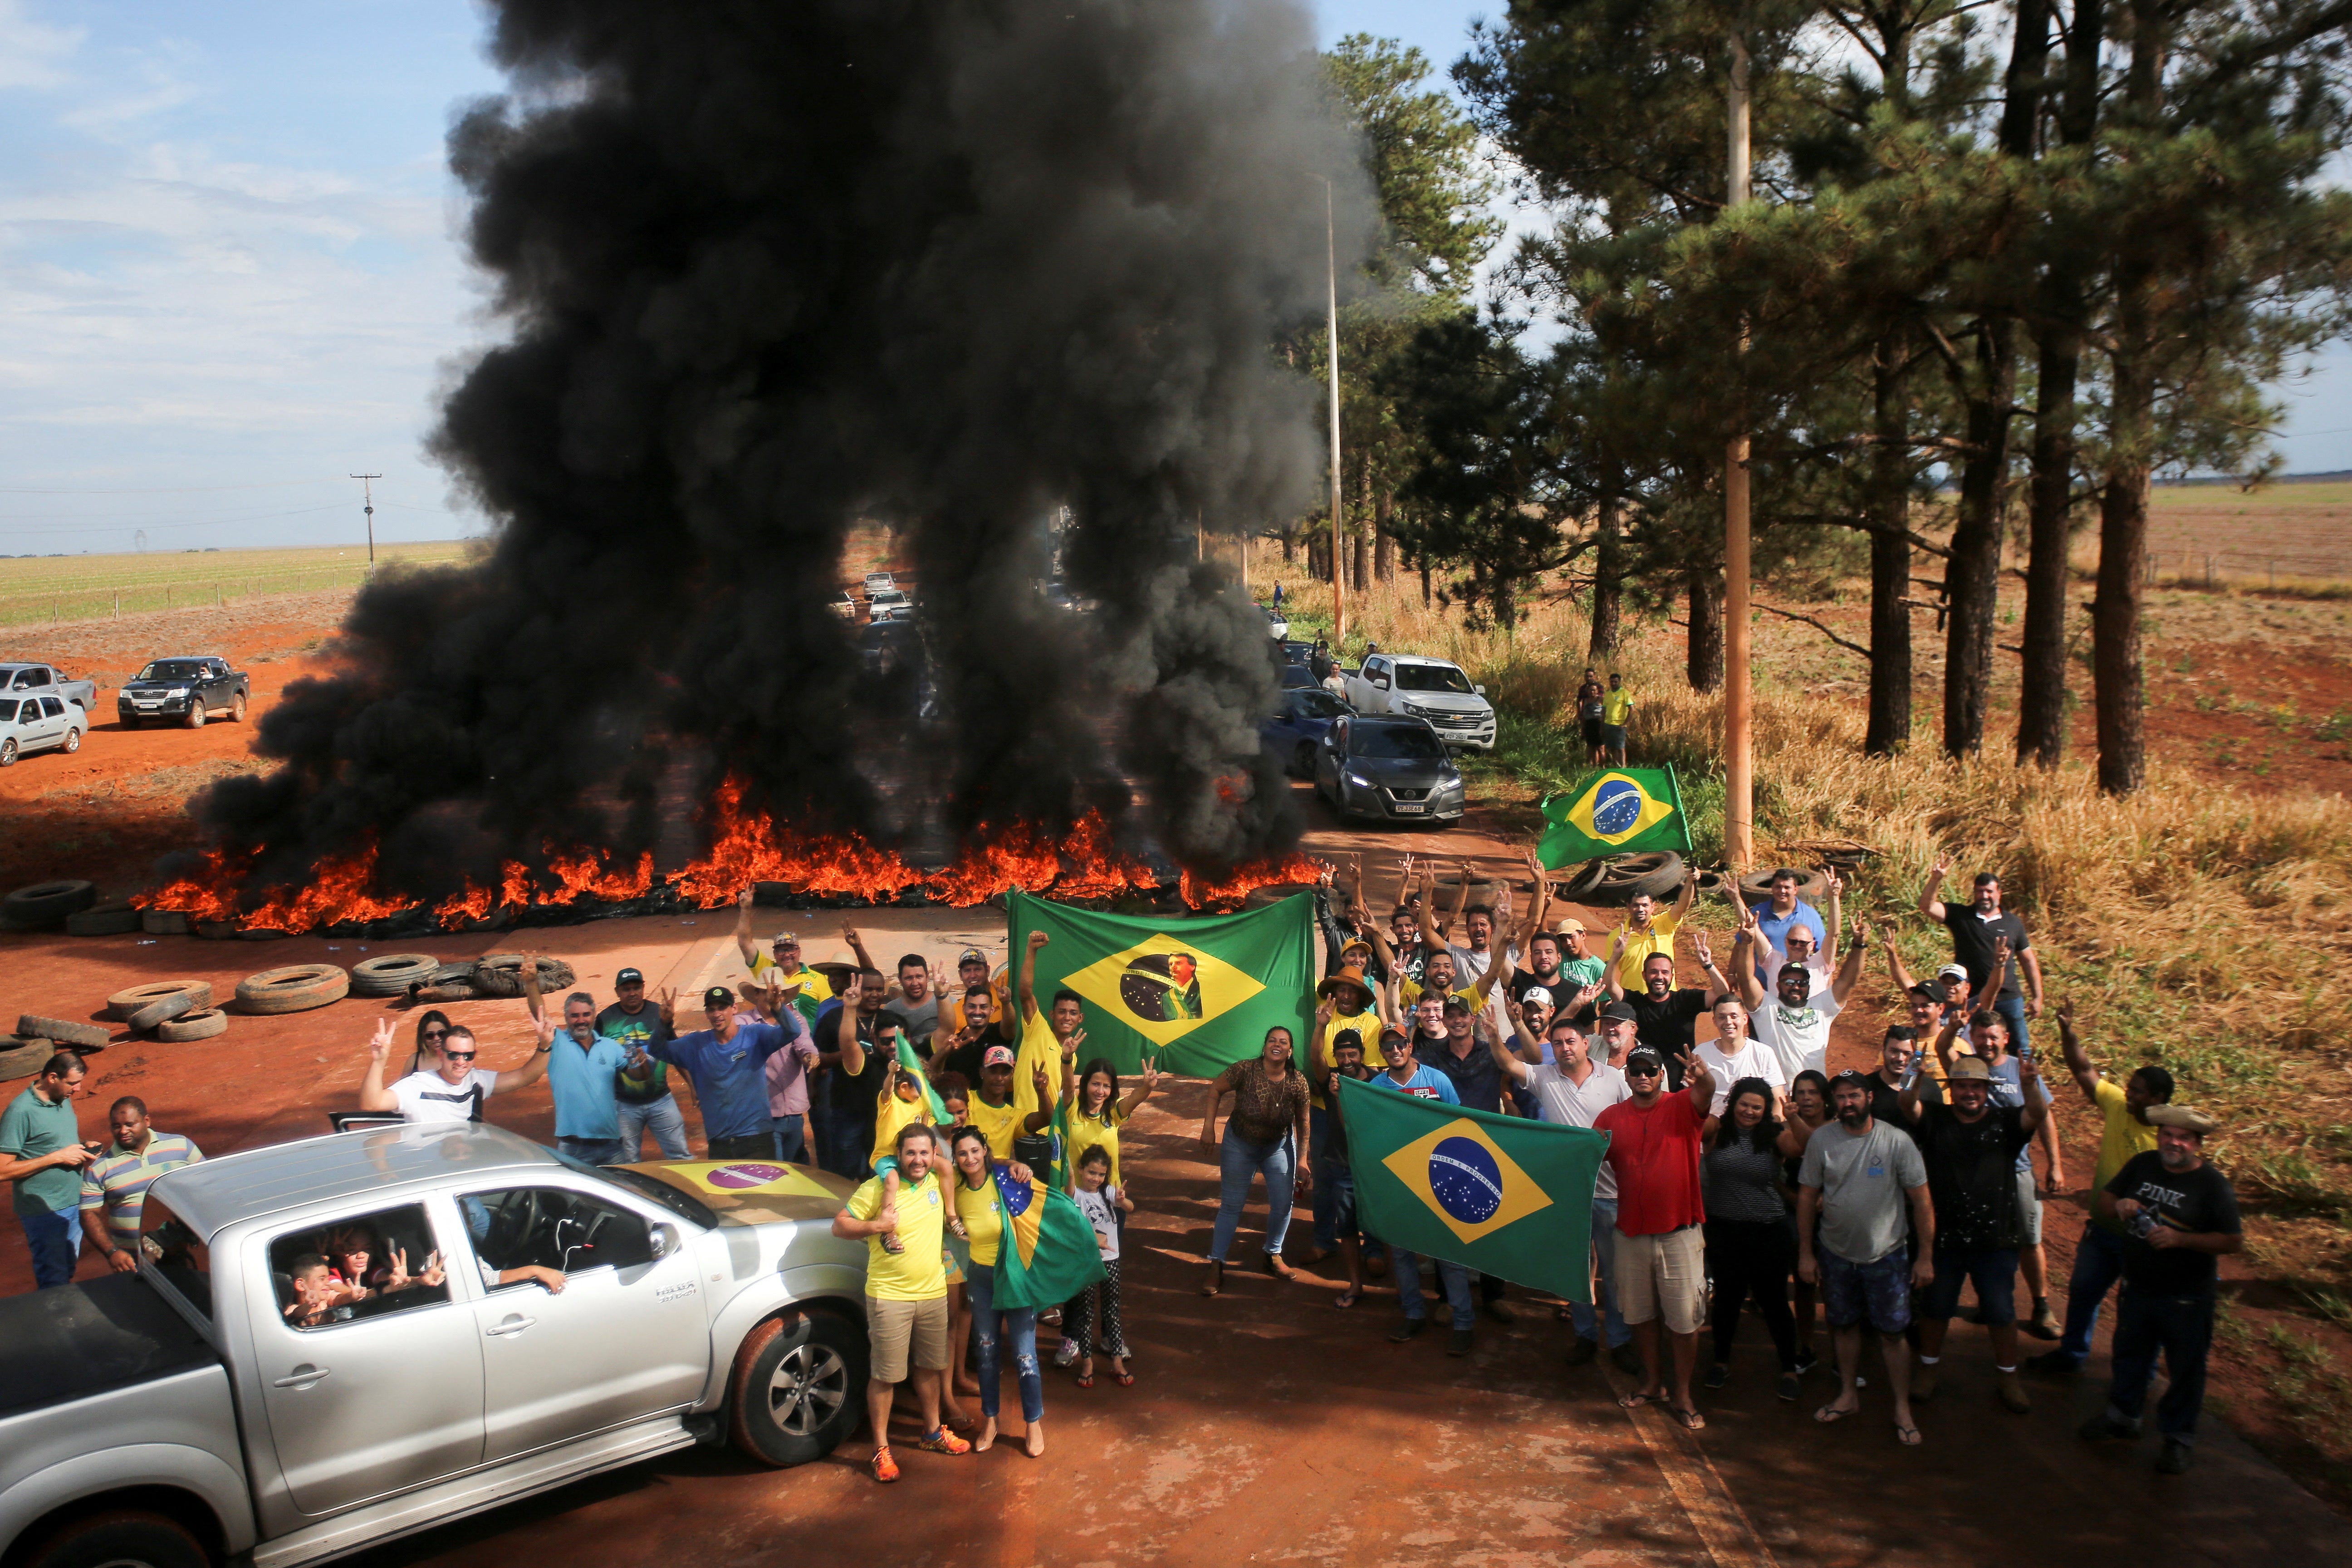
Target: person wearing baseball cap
993, 1110
1348, 1006
641, 1088
2180, 1217
727, 1063
1654, 1145
784, 968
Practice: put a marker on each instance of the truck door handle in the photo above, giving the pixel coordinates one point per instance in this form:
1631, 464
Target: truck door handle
303, 1376
513, 1325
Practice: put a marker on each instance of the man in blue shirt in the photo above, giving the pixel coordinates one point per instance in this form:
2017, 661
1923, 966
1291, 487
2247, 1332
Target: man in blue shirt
581, 1073
1406, 1075
1783, 909
728, 1063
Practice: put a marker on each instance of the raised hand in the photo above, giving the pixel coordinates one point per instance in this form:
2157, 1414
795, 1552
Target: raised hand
1038, 1080
546, 1028
1700, 946
743, 899
1324, 1011
399, 1269
1836, 882
1150, 1074
1070, 1047
380, 1041
1038, 939
667, 1000
1943, 866
435, 1271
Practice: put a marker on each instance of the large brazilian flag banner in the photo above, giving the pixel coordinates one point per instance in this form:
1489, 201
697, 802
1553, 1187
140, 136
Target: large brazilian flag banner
1619, 812
1501, 1194
1195, 994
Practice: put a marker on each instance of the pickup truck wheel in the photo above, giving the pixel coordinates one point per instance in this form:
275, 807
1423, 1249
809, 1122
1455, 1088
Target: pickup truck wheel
237, 708
120, 1539
799, 1388
196, 714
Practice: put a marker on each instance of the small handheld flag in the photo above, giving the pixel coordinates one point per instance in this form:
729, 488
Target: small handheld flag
911, 1064
1617, 811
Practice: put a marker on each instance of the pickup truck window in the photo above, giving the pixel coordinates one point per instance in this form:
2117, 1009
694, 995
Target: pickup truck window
171, 1248
367, 1265
7, 709
174, 670
552, 1227
27, 679
1432, 677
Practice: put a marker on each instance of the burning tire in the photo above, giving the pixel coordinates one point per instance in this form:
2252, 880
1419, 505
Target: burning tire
89, 1036
501, 975
391, 974
123, 1003
187, 1026
112, 920
296, 988
47, 903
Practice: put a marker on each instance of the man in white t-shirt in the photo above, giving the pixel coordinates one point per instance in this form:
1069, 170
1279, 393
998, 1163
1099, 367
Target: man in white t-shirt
454, 1090
1572, 1089
1795, 1020
1732, 1056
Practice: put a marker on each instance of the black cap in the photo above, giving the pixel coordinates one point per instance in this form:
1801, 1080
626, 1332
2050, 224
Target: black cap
1454, 1004
1643, 1055
1619, 1013
626, 975
1348, 1038
1928, 989
715, 997
1853, 1075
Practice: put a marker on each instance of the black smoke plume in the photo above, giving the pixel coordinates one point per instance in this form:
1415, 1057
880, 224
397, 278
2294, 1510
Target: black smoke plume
768, 268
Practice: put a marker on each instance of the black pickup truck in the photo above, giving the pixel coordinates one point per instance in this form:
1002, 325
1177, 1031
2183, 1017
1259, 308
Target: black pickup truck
186, 690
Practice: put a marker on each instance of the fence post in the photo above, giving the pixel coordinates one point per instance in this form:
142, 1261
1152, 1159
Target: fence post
118, 603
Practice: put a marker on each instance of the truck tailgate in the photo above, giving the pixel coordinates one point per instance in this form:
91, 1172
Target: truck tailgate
79, 1340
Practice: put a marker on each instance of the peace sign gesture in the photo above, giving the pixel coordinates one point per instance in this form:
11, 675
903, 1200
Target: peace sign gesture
380, 1041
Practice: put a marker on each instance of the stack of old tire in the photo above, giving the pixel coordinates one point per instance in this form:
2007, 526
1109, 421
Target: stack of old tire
1616, 881
424, 978
70, 903
174, 1011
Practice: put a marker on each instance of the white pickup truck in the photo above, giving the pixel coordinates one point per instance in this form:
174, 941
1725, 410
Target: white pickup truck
48, 680
231, 1401
1421, 688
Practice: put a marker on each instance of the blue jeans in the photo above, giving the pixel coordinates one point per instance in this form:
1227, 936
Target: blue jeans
1318, 1139
1452, 1277
990, 1329
1243, 1160
54, 1235
666, 1121
790, 1140
2182, 1328
2098, 1264
593, 1151
2012, 1009
1604, 1245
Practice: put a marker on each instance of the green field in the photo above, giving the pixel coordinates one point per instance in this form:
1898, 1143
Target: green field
89, 587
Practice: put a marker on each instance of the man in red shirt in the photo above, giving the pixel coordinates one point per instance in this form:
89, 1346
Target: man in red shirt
1654, 1148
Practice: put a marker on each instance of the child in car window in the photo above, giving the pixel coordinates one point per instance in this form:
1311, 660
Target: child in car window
317, 1298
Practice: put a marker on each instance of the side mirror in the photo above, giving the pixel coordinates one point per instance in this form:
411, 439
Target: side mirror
662, 1240
1382, 681
1478, 690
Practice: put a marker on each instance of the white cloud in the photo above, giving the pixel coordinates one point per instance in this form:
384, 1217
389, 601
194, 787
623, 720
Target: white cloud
33, 54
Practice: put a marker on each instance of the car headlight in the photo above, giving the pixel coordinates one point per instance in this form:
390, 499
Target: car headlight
177, 691
1351, 776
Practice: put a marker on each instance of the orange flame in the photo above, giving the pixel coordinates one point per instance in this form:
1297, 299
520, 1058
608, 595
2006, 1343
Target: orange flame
1227, 891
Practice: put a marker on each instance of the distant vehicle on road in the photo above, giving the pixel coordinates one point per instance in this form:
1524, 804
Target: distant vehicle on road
15, 679
189, 689
844, 607
1432, 689
37, 724
879, 583
889, 605
1306, 715
1390, 768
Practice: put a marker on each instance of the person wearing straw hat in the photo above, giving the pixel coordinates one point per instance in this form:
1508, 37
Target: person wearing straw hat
2179, 1216
1349, 1005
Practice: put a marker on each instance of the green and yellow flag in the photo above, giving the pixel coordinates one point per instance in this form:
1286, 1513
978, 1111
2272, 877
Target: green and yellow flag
1048, 1253
1196, 994
1502, 1195
1619, 812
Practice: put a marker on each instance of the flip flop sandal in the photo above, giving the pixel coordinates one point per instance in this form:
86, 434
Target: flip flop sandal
1637, 1400
1691, 1419
1345, 1299
1906, 1436
1829, 1415
1086, 1380
1124, 1379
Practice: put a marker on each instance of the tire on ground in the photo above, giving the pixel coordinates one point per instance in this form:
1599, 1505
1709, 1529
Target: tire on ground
199, 1025
108, 919
501, 975
21, 1057
122, 1004
163, 1011
64, 1031
163, 922
47, 903
1812, 888
390, 974
798, 1388
117, 1536
456, 991
296, 988
1613, 883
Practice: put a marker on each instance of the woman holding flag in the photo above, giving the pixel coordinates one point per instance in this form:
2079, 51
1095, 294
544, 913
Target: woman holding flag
980, 1205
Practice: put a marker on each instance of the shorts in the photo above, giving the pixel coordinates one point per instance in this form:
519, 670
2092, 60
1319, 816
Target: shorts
1995, 1273
897, 1330
1662, 1277
1613, 736
1880, 1292
2029, 1208
1341, 1185
1592, 732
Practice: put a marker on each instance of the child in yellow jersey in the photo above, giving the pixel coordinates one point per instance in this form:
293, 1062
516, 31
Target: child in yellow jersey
902, 1107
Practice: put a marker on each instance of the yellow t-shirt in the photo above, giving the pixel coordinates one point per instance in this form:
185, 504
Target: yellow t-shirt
919, 1273
1038, 1047
1365, 1024
999, 1124
815, 991
982, 1213
1639, 944
889, 1115
2126, 1135
1086, 1132
1410, 992
1615, 704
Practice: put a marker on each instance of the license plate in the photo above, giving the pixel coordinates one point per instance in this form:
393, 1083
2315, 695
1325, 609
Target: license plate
1410, 808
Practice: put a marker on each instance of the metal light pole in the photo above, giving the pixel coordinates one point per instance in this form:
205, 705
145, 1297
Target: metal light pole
1739, 764
1331, 265
367, 494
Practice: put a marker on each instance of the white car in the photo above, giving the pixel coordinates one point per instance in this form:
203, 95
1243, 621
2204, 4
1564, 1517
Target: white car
888, 605
1432, 689
37, 723
879, 583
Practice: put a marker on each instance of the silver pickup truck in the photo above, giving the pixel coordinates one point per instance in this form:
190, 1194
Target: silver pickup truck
228, 1401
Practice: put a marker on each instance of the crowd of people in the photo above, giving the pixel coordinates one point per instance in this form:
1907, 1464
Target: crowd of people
1741, 1175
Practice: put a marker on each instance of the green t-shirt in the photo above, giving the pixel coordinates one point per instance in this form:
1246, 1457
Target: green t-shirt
1583, 971
30, 1128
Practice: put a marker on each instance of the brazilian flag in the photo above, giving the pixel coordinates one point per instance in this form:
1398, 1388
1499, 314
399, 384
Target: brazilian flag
1048, 1253
1501, 1194
913, 1064
1619, 812
1195, 994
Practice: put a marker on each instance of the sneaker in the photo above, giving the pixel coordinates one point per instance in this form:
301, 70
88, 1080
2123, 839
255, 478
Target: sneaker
2106, 1425
1584, 1352
1717, 1375
1411, 1328
1789, 1385
939, 1440
1627, 1360
885, 1468
2054, 1363
1460, 1343
1806, 1362
2174, 1461
2043, 1325
1068, 1354
2011, 1390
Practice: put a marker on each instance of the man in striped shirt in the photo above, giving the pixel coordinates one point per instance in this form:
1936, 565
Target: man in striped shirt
114, 1186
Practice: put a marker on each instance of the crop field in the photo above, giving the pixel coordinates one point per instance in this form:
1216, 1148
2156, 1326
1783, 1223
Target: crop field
2281, 535
57, 589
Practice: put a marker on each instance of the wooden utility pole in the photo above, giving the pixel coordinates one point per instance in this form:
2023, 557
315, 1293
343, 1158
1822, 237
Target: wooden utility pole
1740, 775
1331, 265
367, 493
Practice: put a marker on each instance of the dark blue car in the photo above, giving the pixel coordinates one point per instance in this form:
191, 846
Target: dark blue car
1291, 736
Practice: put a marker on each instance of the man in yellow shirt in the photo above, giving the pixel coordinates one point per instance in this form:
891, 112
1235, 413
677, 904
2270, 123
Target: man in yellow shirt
993, 1110
1646, 932
784, 968
1616, 711
2099, 1257
1045, 1037
906, 1296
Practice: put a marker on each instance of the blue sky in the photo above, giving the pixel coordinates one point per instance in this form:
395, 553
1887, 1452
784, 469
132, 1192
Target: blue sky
228, 276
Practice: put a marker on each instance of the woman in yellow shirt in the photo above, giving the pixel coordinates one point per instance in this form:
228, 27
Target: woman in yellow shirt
980, 1205
1096, 1111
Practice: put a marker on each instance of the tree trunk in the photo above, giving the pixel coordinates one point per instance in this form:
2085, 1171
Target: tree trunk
1972, 575
2058, 346
1425, 596
1359, 566
1608, 580
1889, 514
1385, 550
1290, 547
1704, 584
